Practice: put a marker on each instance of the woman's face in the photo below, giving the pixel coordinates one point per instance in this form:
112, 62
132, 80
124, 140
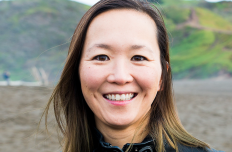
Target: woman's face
120, 69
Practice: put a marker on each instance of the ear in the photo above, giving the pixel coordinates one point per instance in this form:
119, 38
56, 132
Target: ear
167, 65
161, 80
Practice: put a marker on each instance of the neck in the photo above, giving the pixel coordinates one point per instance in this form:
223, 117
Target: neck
120, 136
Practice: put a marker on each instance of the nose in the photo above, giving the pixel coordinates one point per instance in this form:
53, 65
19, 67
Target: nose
120, 73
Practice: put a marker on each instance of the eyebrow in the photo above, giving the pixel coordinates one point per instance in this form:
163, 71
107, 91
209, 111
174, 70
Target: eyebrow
108, 47
103, 46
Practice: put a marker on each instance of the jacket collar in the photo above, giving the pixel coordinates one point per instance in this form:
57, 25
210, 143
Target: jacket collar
147, 145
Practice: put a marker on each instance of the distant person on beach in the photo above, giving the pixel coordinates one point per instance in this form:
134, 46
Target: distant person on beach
115, 92
6, 77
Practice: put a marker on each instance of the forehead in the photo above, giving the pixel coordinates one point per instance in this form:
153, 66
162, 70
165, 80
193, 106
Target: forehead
124, 19
122, 28
123, 13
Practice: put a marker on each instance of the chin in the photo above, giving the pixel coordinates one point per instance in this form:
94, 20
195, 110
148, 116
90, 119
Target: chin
119, 124
121, 121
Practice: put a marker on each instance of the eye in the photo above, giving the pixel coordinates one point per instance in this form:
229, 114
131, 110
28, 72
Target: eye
101, 58
138, 58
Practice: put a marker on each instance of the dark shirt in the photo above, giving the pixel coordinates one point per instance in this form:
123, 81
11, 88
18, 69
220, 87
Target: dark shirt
147, 145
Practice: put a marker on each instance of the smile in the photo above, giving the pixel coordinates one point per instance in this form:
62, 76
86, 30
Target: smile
120, 97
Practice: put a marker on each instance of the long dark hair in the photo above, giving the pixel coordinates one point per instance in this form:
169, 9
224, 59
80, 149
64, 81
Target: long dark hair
73, 115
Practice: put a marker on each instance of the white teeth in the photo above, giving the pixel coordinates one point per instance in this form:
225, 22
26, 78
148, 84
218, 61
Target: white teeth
123, 97
119, 97
127, 97
109, 96
113, 97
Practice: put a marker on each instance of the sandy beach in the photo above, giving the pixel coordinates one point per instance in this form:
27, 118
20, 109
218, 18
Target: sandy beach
205, 109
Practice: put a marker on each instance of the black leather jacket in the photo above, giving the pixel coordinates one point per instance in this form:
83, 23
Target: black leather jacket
146, 146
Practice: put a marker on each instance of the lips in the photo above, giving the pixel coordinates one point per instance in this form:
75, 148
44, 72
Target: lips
120, 97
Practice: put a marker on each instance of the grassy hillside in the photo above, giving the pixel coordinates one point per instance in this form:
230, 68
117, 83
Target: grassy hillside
223, 9
212, 20
202, 54
37, 34
200, 39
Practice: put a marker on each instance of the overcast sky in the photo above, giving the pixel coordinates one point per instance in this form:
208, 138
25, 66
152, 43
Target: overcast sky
92, 2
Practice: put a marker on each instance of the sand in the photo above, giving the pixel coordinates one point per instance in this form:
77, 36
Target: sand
205, 109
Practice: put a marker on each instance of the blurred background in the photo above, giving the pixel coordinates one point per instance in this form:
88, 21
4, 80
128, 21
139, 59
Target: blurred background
34, 40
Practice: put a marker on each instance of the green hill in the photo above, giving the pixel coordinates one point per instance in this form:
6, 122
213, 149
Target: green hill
201, 39
37, 34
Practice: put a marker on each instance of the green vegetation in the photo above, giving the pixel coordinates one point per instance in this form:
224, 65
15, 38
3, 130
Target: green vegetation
202, 54
223, 9
204, 49
176, 14
37, 34
209, 19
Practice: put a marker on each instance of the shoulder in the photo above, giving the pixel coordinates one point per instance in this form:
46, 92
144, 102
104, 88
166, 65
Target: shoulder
183, 148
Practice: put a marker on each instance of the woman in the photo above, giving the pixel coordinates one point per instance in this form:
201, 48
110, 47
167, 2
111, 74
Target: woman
115, 91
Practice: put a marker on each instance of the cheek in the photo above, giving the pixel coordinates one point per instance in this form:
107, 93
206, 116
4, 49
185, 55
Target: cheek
90, 78
149, 78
